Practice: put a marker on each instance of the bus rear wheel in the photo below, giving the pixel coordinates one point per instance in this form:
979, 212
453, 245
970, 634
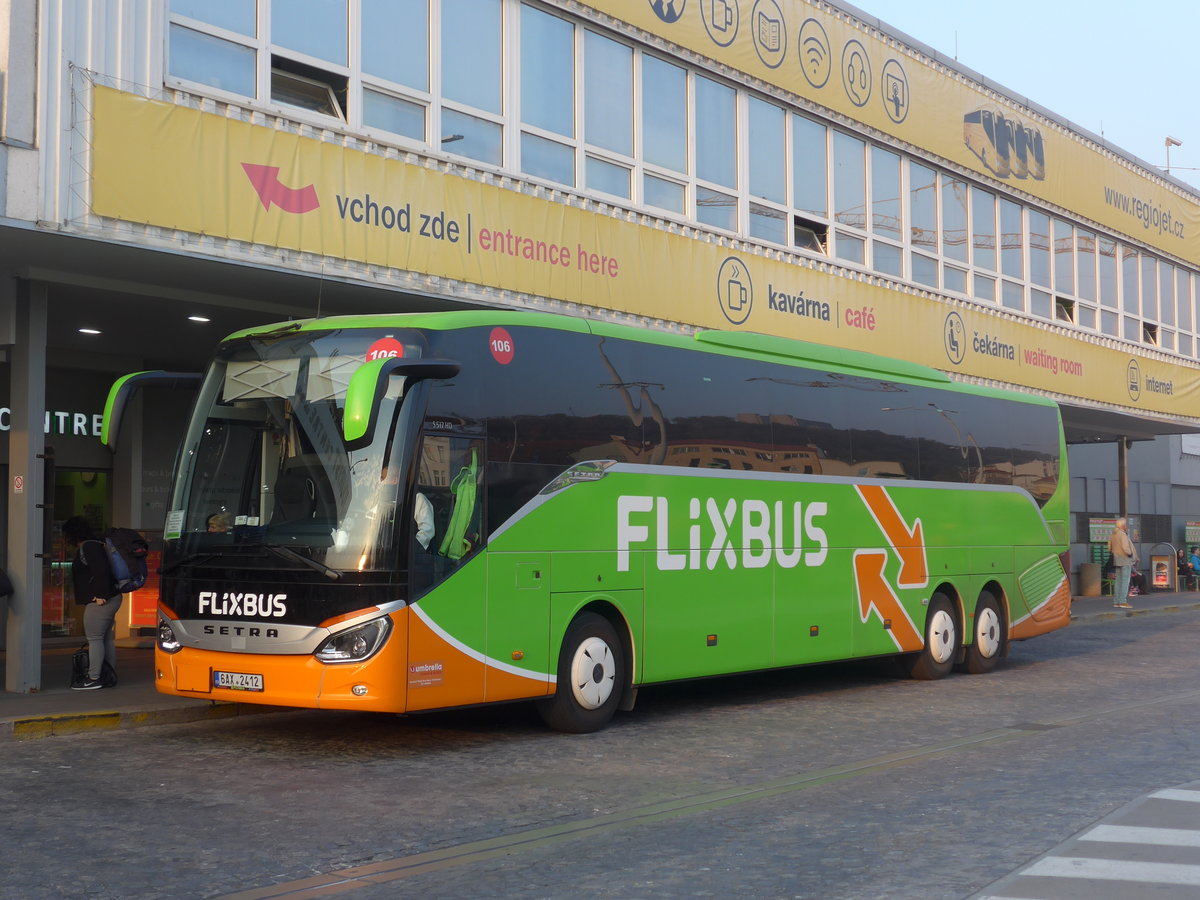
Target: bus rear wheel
987, 642
936, 658
591, 674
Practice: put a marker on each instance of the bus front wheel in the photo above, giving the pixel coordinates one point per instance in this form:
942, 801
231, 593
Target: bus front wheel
590, 677
936, 658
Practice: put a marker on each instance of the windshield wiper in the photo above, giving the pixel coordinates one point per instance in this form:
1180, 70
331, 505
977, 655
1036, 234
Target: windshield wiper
289, 554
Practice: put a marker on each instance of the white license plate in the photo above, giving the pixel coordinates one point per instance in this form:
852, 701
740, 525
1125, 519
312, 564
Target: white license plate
237, 681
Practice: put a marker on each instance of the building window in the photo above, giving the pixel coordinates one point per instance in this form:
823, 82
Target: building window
1166, 293
206, 59
547, 159
1064, 258
608, 94
601, 175
1183, 300
849, 247
315, 28
664, 114
1039, 248
886, 219
1129, 280
664, 194
1106, 259
307, 87
472, 65
1012, 295
233, 15
1012, 239
983, 229
716, 133
766, 153
716, 209
1149, 287
810, 168
395, 41
472, 136
922, 207
1041, 304
547, 72
393, 114
954, 219
1085, 262
924, 270
849, 181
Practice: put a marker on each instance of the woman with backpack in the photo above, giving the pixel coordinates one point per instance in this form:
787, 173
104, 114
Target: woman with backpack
96, 591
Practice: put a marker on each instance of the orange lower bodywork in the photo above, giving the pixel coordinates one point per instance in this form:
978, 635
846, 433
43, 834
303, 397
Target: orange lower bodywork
1050, 615
416, 669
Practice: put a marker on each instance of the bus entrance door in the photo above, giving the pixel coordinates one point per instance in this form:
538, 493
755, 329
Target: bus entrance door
518, 626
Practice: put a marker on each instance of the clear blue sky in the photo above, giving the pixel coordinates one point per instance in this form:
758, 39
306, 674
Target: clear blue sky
1129, 71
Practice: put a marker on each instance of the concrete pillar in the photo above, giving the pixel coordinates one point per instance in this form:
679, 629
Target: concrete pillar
26, 446
1123, 476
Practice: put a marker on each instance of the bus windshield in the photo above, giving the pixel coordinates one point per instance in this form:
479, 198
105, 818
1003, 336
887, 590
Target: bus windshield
264, 463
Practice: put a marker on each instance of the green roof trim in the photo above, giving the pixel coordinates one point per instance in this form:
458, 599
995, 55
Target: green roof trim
855, 361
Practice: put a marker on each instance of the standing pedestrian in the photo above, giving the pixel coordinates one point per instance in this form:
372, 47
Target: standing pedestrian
1121, 550
98, 594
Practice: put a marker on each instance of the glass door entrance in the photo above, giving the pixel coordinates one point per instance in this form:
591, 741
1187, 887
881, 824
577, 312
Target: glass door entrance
78, 492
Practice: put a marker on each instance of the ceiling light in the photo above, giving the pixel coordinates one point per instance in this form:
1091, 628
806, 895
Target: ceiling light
88, 331
199, 319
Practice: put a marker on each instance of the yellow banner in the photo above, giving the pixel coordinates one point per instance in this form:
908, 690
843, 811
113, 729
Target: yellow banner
198, 172
851, 69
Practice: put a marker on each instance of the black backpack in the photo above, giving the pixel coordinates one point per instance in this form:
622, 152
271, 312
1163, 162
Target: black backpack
80, 661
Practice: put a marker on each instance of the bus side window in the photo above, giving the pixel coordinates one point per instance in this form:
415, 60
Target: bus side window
447, 503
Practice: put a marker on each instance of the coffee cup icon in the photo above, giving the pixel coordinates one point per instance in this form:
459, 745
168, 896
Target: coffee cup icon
721, 14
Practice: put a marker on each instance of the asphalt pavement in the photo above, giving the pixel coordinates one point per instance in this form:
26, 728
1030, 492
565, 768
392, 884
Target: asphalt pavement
1150, 846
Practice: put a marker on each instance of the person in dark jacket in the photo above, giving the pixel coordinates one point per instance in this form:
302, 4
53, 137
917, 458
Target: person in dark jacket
98, 594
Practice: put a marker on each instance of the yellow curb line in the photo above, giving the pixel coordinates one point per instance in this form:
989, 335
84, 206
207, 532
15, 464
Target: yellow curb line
35, 727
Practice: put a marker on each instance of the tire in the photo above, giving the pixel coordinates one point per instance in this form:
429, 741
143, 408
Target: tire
987, 642
591, 677
936, 658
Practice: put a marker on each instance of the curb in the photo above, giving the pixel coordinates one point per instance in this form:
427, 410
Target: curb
58, 724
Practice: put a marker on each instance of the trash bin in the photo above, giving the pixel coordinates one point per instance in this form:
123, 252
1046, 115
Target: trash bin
1089, 579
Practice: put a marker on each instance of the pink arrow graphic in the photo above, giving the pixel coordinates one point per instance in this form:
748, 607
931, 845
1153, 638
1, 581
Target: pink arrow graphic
266, 183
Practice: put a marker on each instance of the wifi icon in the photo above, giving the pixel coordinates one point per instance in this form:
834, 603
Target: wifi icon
814, 53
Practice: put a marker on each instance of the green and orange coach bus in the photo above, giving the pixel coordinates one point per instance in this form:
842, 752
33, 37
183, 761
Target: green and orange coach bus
435, 510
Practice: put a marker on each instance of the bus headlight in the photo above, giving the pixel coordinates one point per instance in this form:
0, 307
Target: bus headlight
167, 642
355, 644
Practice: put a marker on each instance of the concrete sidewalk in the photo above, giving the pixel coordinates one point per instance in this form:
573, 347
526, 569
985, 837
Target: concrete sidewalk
134, 703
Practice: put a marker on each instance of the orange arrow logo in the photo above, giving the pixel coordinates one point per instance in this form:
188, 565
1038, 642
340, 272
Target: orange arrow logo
908, 544
875, 592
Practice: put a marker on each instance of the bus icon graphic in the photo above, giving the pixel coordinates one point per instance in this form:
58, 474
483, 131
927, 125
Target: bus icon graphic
735, 291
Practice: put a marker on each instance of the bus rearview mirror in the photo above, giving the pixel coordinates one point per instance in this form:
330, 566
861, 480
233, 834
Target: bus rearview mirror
364, 393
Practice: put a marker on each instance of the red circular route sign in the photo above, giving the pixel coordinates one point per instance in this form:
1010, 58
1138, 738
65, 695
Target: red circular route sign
500, 342
385, 348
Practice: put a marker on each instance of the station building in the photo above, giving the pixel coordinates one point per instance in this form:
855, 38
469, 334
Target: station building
174, 170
